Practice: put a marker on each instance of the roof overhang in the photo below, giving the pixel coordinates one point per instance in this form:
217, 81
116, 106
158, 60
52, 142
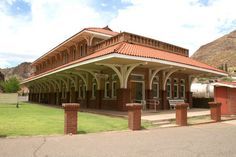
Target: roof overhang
219, 84
116, 58
70, 41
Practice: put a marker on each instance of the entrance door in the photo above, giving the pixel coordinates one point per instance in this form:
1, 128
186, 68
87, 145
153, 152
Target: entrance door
137, 91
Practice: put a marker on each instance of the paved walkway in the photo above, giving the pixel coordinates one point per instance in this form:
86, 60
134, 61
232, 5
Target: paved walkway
207, 140
170, 114
152, 115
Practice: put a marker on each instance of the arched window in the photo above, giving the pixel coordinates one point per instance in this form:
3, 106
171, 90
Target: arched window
82, 89
176, 88
168, 87
182, 88
155, 87
94, 89
114, 85
81, 50
85, 49
73, 54
107, 88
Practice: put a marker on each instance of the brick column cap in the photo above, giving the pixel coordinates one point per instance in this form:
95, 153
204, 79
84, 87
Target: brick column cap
182, 105
134, 106
71, 106
214, 104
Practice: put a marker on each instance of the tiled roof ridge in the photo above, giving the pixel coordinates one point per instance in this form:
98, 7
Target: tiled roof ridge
203, 65
120, 47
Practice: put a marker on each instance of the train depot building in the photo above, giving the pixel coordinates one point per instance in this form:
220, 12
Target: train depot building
103, 69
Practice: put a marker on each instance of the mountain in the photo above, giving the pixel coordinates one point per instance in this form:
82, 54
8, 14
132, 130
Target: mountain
220, 53
21, 71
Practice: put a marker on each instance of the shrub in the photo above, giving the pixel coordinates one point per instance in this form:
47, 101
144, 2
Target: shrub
12, 85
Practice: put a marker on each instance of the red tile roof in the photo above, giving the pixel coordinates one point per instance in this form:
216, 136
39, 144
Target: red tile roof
142, 51
138, 51
102, 30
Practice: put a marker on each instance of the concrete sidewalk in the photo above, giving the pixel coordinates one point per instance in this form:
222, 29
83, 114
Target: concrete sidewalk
209, 140
170, 114
151, 115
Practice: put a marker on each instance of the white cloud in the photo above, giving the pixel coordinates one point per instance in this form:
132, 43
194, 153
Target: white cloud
50, 23
186, 23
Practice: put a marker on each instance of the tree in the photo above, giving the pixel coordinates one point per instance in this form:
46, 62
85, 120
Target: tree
12, 85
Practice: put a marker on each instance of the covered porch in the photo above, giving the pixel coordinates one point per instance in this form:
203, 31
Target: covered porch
110, 81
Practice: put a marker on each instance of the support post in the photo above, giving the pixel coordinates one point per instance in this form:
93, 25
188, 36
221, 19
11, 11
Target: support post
70, 123
134, 116
181, 114
215, 108
123, 97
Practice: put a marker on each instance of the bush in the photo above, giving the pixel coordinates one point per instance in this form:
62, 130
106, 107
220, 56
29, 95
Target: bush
11, 85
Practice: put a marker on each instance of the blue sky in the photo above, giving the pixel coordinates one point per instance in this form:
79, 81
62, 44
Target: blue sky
18, 8
30, 28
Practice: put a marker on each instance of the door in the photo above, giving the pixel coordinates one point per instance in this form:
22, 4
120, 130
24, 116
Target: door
137, 91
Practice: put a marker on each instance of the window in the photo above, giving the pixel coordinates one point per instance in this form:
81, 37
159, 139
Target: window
114, 88
168, 86
107, 87
65, 57
74, 54
81, 50
85, 49
94, 89
137, 77
82, 90
63, 91
182, 88
176, 88
155, 89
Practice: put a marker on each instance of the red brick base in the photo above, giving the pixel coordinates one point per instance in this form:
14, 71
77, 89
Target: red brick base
71, 110
181, 114
215, 108
134, 116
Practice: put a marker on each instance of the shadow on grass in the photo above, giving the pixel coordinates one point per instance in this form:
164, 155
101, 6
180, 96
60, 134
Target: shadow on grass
81, 132
3, 136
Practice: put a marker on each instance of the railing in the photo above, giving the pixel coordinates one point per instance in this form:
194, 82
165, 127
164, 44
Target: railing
132, 38
127, 37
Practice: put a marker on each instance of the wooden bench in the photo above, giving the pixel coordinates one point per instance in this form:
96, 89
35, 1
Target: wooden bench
173, 102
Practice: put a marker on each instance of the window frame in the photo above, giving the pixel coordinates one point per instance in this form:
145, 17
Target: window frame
106, 91
157, 95
94, 88
176, 84
114, 91
182, 84
168, 83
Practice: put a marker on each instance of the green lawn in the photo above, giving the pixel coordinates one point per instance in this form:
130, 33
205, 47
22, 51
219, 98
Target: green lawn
34, 119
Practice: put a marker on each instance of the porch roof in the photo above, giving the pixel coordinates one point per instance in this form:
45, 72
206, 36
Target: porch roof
225, 84
125, 50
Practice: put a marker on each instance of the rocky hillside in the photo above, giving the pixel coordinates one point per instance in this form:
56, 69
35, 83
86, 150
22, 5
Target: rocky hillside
220, 53
21, 71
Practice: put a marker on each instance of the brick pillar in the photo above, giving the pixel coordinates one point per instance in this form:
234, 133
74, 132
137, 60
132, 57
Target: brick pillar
181, 114
134, 116
123, 97
149, 95
165, 104
87, 98
99, 96
215, 108
70, 122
